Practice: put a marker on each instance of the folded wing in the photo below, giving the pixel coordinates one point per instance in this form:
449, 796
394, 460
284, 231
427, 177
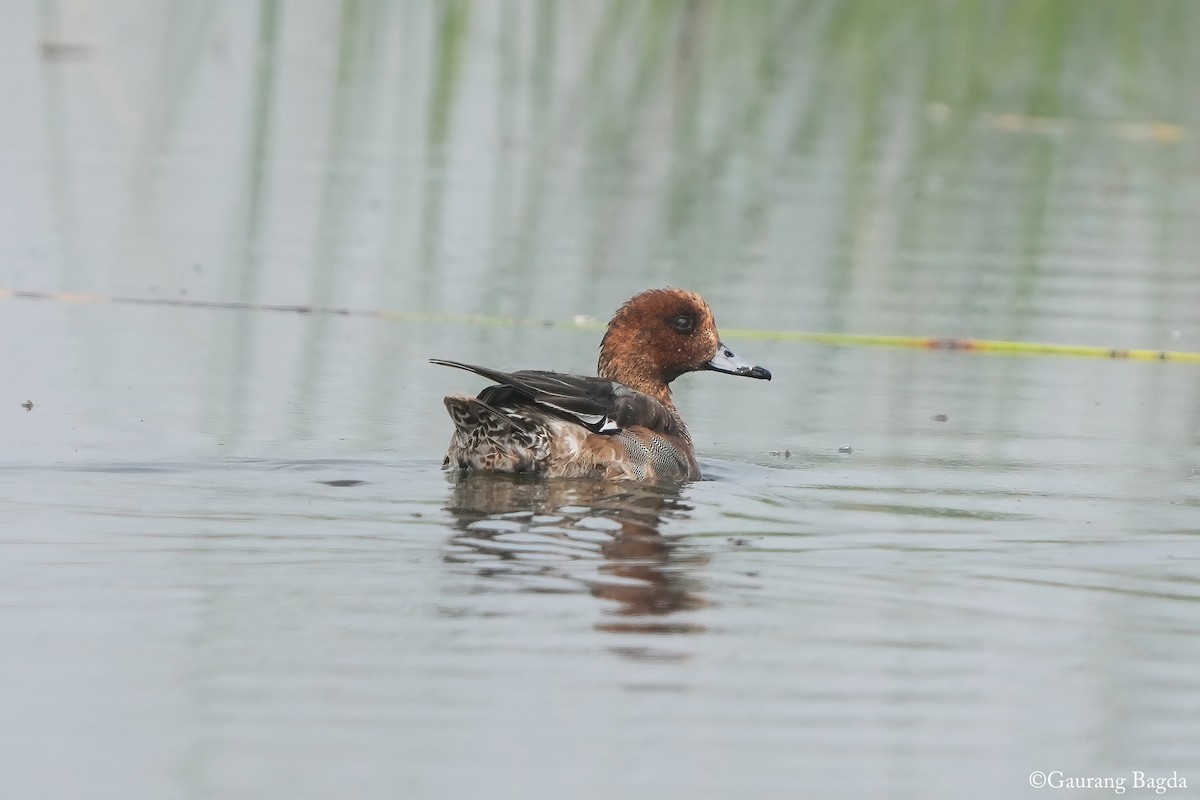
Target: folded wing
600, 405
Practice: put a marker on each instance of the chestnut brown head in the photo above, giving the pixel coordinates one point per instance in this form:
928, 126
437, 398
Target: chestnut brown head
660, 334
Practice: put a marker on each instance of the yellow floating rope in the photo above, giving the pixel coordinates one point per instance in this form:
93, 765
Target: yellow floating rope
988, 346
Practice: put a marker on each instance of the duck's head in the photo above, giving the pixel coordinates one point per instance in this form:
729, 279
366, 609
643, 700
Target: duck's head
660, 334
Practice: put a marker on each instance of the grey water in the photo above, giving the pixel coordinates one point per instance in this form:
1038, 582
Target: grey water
231, 567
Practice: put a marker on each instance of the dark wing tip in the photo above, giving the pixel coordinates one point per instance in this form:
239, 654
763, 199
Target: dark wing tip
445, 362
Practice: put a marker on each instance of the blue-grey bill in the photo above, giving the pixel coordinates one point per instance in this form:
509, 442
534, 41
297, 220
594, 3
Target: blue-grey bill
725, 361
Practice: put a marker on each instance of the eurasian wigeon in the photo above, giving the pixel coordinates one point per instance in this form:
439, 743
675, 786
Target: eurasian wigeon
621, 425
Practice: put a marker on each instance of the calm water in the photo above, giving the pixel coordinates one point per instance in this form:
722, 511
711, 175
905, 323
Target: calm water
231, 568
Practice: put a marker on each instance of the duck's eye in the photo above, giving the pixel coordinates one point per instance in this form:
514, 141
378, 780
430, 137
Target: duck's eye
683, 323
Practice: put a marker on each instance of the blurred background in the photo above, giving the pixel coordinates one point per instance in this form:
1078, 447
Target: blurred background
1012, 170
233, 567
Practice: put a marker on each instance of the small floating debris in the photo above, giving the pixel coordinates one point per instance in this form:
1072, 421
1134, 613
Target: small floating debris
847, 449
940, 418
342, 482
27, 405
62, 50
781, 453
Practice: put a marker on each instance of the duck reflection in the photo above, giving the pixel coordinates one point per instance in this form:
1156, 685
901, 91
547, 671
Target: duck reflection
580, 535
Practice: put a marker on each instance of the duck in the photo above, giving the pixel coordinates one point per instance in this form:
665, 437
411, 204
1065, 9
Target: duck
621, 424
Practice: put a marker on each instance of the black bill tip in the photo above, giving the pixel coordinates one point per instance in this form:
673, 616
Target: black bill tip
725, 361
762, 373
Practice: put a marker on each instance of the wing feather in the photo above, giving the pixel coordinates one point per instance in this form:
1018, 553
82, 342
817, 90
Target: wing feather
600, 405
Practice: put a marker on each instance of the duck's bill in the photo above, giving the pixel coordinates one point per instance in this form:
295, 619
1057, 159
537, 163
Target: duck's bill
725, 361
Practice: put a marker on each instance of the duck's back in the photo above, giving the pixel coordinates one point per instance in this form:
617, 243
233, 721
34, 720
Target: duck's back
566, 426
491, 439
